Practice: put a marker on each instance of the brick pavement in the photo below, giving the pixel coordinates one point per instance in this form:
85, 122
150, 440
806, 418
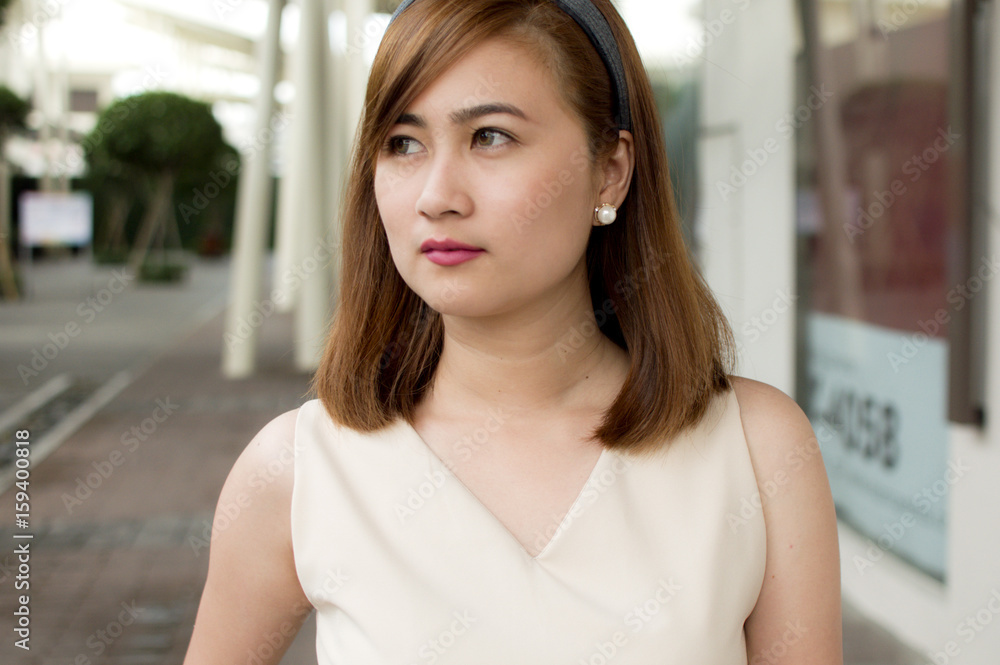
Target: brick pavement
115, 577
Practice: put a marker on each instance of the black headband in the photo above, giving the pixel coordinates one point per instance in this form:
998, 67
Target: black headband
596, 26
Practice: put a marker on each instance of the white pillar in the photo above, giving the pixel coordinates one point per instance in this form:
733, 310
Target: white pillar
43, 102
61, 95
357, 67
747, 235
288, 241
312, 183
252, 209
287, 237
340, 142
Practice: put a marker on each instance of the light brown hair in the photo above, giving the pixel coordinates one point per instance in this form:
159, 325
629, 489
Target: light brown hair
647, 294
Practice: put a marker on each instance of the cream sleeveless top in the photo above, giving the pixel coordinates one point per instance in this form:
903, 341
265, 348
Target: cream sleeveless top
658, 561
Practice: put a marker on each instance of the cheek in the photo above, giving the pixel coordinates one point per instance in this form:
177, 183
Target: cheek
546, 210
391, 205
383, 195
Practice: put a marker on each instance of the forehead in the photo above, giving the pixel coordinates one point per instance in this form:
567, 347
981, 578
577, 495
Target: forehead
497, 70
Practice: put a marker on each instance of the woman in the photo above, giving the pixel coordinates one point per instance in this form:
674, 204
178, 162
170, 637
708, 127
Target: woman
527, 446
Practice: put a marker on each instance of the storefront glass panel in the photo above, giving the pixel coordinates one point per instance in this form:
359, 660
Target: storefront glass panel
876, 166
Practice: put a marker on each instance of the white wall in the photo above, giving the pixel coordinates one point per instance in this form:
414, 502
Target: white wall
746, 218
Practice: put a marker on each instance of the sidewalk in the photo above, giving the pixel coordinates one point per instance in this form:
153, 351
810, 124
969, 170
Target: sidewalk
115, 511
93, 321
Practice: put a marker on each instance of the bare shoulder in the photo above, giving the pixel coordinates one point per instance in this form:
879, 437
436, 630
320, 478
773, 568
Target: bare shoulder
263, 474
258, 490
252, 588
272, 448
783, 449
798, 609
773, 422
277, 434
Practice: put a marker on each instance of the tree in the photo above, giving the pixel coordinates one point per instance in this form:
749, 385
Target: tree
109, 180
3, 11
13, 111
156, 137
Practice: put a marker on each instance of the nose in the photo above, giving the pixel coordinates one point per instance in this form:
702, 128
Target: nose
445, 189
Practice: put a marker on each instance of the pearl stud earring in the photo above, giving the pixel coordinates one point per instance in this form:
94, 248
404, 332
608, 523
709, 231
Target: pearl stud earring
606, 213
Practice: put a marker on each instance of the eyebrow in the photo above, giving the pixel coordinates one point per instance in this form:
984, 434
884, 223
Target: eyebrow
463, 116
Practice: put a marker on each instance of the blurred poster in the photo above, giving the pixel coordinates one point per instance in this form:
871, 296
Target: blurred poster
875, 175
877, 403
56, 219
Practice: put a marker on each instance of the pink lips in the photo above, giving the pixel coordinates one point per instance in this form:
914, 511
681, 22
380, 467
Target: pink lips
449, 252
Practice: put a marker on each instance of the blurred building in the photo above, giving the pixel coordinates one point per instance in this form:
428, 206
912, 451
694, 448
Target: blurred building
72, 58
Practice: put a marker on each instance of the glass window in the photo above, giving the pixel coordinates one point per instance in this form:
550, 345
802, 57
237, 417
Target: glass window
878, 165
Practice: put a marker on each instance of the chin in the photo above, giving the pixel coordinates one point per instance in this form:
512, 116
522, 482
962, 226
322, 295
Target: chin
458, 307
462, 304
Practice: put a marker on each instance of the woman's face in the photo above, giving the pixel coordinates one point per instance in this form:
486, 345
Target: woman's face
516, 183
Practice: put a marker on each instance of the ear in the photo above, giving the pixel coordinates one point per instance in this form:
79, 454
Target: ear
617, 171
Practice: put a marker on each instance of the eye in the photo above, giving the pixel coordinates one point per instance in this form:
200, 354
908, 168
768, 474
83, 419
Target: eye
490, 131
394, 143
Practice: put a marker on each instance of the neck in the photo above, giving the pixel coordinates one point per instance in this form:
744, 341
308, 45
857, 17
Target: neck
540, 358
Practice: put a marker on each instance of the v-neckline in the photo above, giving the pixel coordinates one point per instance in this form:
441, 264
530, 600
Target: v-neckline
419, 441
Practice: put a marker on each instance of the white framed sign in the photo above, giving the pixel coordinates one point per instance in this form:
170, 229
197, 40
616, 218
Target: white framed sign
48, 219
878, 404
